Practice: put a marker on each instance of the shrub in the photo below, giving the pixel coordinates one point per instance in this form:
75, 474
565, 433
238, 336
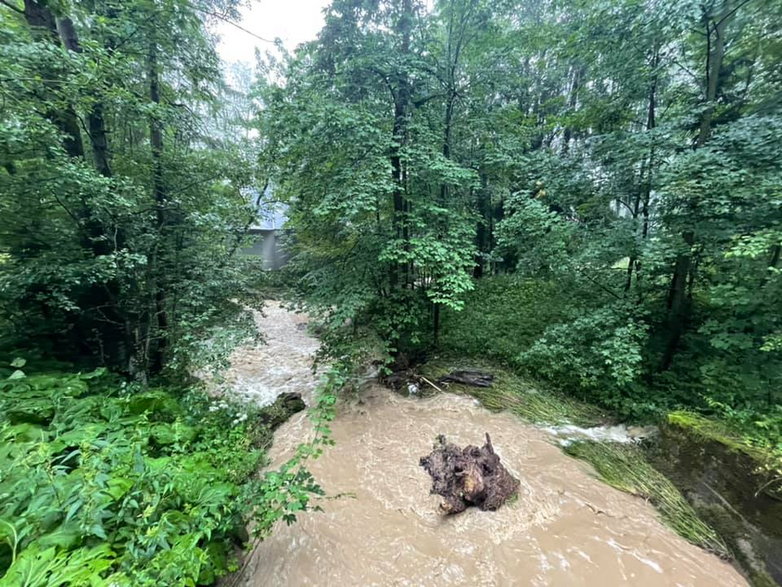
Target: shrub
502, 317
600, 349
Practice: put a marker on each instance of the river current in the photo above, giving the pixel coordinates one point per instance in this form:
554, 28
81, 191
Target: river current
566, 527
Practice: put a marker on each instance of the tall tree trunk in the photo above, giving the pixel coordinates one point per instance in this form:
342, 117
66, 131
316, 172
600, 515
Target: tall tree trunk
683, 278
399, 130
99, 302
43, 25
95, 118
772, 264
455, 44
572, 103
160, 195
447, 132
483, 232
121, 349
644, 196
715, 54
401, 113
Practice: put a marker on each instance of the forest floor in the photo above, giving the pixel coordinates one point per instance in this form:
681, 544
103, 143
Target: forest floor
381, 526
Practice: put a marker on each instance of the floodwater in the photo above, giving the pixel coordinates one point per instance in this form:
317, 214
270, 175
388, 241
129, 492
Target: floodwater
284, 364
566, 527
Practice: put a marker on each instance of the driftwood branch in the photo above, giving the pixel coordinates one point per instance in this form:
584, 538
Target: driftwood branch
425, 380
474, 378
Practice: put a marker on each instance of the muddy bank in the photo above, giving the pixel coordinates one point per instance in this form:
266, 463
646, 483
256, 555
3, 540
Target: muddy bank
565, 528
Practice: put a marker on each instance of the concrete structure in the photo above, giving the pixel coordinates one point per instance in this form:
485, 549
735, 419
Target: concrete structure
268, 232
268, 246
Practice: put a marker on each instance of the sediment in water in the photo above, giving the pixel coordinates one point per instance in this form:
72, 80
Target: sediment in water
566, 528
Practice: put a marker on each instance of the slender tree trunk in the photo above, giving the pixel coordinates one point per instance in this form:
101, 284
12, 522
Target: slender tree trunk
714, 59
401, 114
484, 227
99, 139
436, 323
644, 196
774, 257
567, 135
97, 133
95, 118
159, 193
455, 43
100, 302
683, 278
447, 132
44, 27
772, 264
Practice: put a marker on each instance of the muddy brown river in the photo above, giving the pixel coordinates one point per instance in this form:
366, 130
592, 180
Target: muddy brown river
566, 528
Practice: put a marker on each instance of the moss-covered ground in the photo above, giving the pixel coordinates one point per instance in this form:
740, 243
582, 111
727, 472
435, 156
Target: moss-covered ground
708, 430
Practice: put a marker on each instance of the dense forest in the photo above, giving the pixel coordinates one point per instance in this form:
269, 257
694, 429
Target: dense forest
588, 193
625, 186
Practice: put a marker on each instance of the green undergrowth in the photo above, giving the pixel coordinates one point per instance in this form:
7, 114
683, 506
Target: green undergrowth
502, 317
531, 401
106, 483
624, 467
603, 357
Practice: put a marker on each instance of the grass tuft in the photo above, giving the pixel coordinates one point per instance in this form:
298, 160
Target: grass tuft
624, 467
530, 401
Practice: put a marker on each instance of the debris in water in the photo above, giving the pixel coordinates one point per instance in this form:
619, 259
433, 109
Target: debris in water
474, 378
470, 476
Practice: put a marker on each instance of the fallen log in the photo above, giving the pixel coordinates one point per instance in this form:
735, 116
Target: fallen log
474, 378
469, 476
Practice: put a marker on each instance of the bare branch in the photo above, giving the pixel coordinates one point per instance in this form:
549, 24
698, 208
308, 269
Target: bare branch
685, 69
732, 12
232, 23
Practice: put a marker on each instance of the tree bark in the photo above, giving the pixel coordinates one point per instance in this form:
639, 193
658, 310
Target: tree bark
44, 28
159, 193
399, 272
96, 125
772, 264
644, 196
99, 302
567, 135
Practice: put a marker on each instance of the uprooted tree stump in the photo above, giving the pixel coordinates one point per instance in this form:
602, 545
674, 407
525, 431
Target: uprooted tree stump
469, 476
